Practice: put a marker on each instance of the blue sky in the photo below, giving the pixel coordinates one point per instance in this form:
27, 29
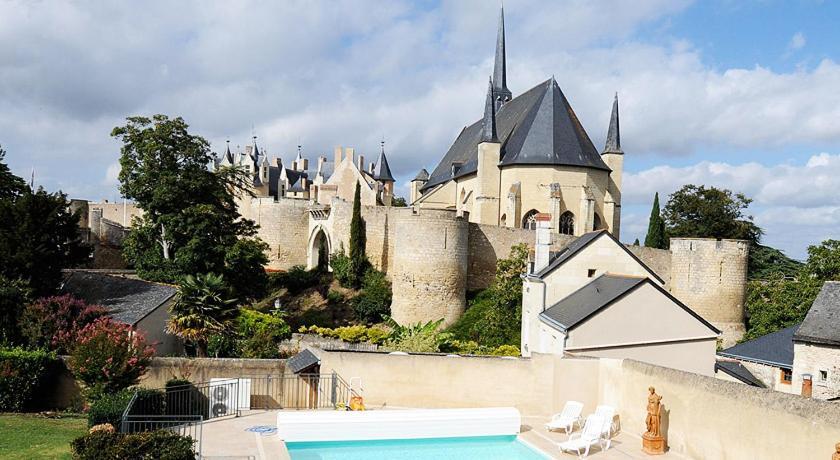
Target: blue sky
743, 95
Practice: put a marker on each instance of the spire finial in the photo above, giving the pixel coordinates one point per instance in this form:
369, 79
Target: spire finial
488, 124
382, 145
501, 93
613, 144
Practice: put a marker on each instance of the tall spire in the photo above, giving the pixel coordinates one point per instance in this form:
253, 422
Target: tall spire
488, 124
501, 93
228, 155
613, 144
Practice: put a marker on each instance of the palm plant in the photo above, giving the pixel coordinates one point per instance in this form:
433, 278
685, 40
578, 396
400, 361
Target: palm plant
202, 307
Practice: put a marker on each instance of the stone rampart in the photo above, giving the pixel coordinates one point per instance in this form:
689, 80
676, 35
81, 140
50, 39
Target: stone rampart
284, 225
710, 276
429, 274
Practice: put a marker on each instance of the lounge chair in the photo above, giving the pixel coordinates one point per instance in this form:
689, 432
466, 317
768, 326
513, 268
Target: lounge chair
589, 436
607, 413
566, 419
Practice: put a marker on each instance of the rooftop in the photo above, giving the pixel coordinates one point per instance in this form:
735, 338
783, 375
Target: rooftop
128, 300
822, 323
774, 349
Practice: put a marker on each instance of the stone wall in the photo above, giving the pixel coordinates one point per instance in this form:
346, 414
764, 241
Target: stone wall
120, 213
659, 260
429, 274
379, 230
710, 277
812, 359
203, 369
284, 225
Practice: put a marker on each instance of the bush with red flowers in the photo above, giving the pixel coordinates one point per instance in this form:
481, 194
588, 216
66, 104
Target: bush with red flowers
53, 322
109, 356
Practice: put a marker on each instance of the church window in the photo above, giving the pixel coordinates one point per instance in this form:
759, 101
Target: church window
597, 225
567, 223
530, 220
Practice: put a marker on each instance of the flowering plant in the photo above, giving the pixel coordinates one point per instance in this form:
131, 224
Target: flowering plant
109, 356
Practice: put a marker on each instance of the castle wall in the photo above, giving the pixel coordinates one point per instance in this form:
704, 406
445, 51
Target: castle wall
429, 275
659, 260
710, 277
284, 225
379, 231
489, 243
121, 213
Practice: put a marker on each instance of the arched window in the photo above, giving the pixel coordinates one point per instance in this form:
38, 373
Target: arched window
567, 223
597, 225
529, 221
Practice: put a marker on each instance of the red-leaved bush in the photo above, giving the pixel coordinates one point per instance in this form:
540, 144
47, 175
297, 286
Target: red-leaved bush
54, 322
109, 356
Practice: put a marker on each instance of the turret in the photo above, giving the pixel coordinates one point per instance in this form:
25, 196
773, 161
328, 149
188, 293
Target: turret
382, 173
417, 183
613, 156
486, 207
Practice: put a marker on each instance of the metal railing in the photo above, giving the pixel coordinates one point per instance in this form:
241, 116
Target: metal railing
185, 425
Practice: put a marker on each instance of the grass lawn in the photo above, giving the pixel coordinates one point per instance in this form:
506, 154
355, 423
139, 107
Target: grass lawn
26, 436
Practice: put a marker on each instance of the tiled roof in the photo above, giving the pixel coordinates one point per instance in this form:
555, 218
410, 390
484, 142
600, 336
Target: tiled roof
774, 349
822, 323
128, 300
586, 301
302, 361
738, 371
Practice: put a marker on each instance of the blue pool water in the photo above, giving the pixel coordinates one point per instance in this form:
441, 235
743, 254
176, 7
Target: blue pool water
478, 448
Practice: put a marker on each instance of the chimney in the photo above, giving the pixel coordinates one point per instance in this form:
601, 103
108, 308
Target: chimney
543, 243
321, 160
337, 156
304, 164
371, 167
350, 153
361, 163
807, 385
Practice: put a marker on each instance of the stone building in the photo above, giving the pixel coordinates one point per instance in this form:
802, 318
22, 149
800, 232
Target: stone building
529, 154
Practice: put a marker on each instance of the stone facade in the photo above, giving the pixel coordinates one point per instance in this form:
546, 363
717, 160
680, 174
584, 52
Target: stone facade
710, 277
822, 362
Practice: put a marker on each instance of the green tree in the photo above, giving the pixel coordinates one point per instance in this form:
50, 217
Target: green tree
655, 237
824, 261
10, 185
14, 296
39, 236
636, 242
765, 262
399, 202
358, 240
190, 224
202, 307
699, 212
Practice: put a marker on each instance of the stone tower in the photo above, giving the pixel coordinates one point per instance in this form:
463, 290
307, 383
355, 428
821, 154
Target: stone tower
710, 276
613, 156
489, 152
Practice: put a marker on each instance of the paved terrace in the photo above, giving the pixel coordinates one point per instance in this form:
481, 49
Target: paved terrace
227, 439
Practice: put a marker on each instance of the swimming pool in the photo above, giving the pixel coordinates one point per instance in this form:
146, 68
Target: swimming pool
473, 448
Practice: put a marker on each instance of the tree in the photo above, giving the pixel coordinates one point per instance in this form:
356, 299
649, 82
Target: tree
14, 295
358, 259
39, 236
202, 307
700, 212
824, 260
655, 237
54, 322
399, 202
11, 186
190, 224
636, 242
765, 261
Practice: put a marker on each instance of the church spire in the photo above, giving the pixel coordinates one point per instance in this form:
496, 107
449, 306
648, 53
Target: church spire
613, 144
488, 124
501, 93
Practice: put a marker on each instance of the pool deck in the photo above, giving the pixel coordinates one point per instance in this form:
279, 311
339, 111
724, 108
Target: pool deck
227, 439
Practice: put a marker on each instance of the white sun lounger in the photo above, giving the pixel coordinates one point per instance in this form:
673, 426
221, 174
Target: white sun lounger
589, 436
607, 413
567, 419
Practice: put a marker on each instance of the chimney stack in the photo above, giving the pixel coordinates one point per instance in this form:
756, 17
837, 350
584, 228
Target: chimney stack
361, 163
543, 243
337, 156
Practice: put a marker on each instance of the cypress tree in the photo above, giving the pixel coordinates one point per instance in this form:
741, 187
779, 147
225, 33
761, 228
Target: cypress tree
636, 243
358, 259
656, 228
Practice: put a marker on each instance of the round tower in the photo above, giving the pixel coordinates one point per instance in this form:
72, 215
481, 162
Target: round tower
710, 276
430, 266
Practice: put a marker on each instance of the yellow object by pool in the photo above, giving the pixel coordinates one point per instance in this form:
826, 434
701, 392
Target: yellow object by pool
356, 403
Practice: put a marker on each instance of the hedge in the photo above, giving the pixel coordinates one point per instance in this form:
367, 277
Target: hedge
110, 407
161, 444
20, 373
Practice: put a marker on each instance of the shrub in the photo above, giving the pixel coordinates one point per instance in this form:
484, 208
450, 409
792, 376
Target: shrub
20, 373
296, 280
54, 322
334, 297
182, 398
374, 303
160, 444
352, 334
342, 268
418, 338
109, 408
109, 356
505, 350
14, 296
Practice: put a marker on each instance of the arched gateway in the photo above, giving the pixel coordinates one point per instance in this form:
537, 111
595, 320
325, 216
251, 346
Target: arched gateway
318, 247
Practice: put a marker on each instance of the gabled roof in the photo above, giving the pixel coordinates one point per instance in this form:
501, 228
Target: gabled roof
127, 300
822, 323
774, 349
537, 127
582, 242
421, 176
738, 371
302, 361
598, 294
382, 172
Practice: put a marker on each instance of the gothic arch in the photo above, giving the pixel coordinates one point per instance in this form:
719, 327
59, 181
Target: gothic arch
529, 220
566, 225
597, 223
313, 248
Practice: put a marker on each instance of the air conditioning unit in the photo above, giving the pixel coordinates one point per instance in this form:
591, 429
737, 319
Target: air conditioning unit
229, 395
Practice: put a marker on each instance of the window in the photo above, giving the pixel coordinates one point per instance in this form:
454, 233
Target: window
567, 223
590, 272
596, 225
530, 220
787, 376
503, 220
823, 375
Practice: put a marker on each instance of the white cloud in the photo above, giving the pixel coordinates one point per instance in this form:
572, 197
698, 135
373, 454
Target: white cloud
112, 174
797, 41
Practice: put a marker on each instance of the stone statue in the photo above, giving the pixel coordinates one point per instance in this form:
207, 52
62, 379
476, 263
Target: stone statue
836, 455
653, 415
653, 443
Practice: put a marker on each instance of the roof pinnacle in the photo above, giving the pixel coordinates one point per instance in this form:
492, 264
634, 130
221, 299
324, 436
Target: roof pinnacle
488, 124
613, 144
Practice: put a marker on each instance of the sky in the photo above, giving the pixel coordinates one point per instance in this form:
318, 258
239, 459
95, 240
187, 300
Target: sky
737, 94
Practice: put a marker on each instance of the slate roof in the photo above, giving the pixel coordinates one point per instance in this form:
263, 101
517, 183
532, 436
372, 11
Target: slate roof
382, 172
774, 349
128, 300
586, 301
822, 323
582, 242
537, 127
302, 361
738, 371
423, 175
